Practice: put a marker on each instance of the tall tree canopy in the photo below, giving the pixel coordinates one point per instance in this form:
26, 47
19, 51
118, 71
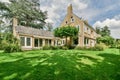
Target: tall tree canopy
105, 36
103, 31
26, 11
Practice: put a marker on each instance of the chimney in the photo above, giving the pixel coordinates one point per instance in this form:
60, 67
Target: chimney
14, 24
69, 9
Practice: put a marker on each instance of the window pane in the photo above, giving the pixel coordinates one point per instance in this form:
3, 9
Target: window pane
46, 42
40, 42
22, 41
36, 42
49, 42
28, 42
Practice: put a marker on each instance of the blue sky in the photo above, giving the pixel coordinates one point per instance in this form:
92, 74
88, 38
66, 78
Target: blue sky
97, 12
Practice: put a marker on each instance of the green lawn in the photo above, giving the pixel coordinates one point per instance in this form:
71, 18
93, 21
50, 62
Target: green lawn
60, 65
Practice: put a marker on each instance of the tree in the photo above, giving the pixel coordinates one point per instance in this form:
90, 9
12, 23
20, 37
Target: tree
105, 36
98, 31
108, 40
117, 42
27, 13
48, 26
65, 32
10, 43
105, 31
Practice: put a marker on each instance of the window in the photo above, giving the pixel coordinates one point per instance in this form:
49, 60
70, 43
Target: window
46, 42
88, 30
86, 41
78, 27
85, 29
22, 41
49, 42
36, 42
66, 22
63, 42
40, 42
28, 41
72, 19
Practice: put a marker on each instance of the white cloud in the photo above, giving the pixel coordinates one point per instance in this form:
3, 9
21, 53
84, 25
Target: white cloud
113, 24
4, 0
57, 9
117, 17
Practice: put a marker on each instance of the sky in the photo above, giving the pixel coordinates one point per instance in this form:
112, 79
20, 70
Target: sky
98, 13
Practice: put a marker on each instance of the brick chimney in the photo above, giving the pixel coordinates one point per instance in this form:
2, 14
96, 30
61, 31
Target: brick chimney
15, 21
14, 24
69, 9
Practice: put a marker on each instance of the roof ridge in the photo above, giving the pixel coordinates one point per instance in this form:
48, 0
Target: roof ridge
84, 21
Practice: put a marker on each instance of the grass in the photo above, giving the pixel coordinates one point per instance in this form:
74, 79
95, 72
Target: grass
60, 65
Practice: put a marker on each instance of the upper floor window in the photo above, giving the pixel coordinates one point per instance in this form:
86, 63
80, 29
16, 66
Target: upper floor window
88, 30
72, 19
66, 22
78, 27
85, 29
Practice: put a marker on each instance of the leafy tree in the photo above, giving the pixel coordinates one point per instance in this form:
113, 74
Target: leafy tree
105, 36
108, 40
105, 31
10, 43
117, 43
26, 11
98, 31
48, 26
65, 32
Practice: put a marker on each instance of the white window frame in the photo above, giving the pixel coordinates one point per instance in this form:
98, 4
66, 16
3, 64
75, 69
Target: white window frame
25, 37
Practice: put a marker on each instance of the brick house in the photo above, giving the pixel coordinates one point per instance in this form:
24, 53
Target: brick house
31, 38
87, 34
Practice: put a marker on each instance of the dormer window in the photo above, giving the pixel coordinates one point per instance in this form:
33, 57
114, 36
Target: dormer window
66, 22
72, 19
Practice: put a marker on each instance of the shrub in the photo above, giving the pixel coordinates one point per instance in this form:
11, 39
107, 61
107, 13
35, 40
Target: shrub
12, 48
102, 45
80, 48
46, 48
97, 47
118, 47
71, 47
10, 44
64, 47
55, 47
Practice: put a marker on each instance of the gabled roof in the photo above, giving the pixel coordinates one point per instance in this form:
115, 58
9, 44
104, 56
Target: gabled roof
85, 22
33, 32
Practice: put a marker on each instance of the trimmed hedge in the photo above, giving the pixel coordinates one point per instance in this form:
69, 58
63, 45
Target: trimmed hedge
95, 48
55, 48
